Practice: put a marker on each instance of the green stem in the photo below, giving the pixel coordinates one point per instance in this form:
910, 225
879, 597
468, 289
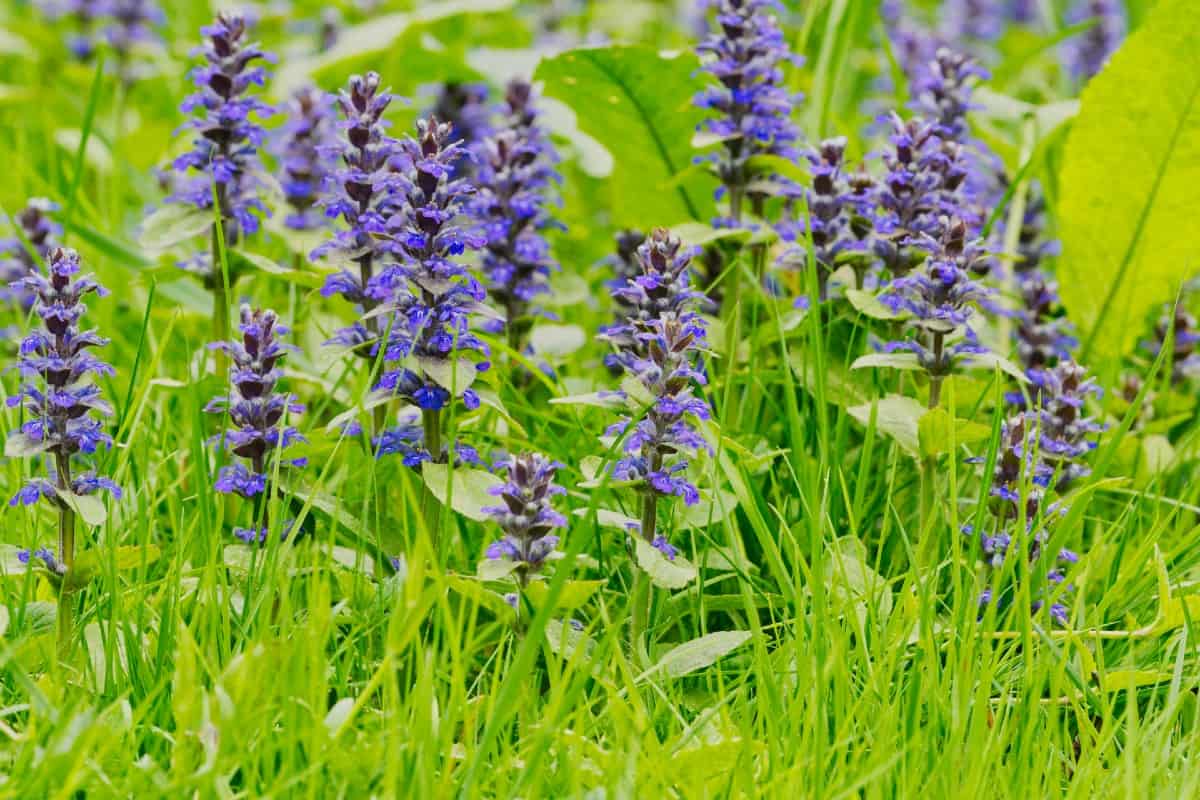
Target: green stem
432, 422
639, 610
928, 501
66, 550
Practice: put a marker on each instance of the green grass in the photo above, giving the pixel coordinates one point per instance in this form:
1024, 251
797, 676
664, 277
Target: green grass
312, 668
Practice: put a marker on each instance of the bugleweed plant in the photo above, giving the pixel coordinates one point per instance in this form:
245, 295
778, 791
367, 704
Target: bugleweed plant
716, 399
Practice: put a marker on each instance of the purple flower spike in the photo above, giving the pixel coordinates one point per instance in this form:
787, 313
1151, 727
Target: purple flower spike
256, 410
515, 173
1086, 53
428, 292
225, 150
39, 229
464, 106
364, 193
745, 53
840, 207
659, 345
527, 514
941, 298
305, 152
923, 187
132, 25
59, 395
983, 20
1041, 452
84, 14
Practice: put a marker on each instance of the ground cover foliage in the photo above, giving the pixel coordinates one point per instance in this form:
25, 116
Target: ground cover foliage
556, 399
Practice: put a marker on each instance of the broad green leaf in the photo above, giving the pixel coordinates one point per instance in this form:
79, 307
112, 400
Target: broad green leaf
126, 557
992, 361
555, 342
495, 569
474, 590
338, 715
454, 375
698, 234
574, 593
172, 224
20, 445
709, 511
938, 432
1130, 183
468, 490
667, 573
40, 616
240, 260
637, 103
636, 393
607, 399
373, 38
607, 518
897, 416
699, 653
867, 304
905, 361
852, 580
563, 640
89, 507
4, 616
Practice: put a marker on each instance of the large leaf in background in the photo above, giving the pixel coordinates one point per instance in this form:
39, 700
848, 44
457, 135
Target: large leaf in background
637, 102
1130, 183
393, 46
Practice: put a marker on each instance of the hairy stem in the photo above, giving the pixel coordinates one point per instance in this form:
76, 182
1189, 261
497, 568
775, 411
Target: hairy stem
432, 422
66, 550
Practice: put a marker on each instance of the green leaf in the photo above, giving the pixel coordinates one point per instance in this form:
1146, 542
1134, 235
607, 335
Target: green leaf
240, 260
697, 234
370, 39
699, 653
454, 375
574, 593
907, 361
173, 224
40, 616
467, 490
1130, 182
867, 304
607, 517
853, 581
474, 590
636, 393
992, 361
555, 341
938, 432
563, 640
709, 510
21, 445
637, 103
897, 416
663, 572
495, 569
126, 557
89, 507
606, 399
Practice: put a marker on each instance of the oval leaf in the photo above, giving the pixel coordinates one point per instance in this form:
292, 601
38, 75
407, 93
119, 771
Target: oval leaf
699, 653
467, 489
663, 572
1131, 179
637, 102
